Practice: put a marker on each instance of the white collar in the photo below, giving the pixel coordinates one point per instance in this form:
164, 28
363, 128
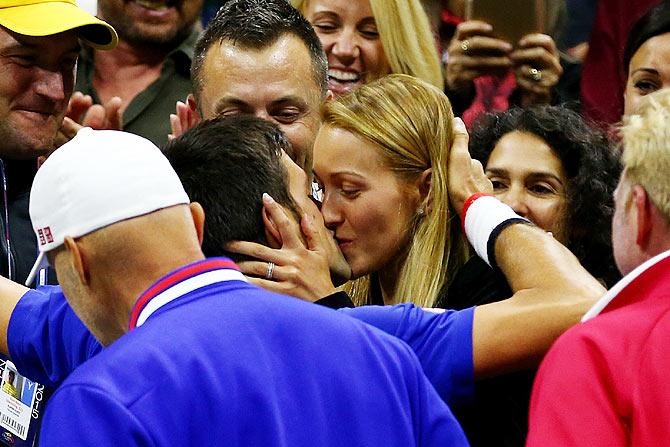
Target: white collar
600, 305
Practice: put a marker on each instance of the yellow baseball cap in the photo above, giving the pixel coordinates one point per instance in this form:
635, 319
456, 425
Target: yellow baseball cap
47, 17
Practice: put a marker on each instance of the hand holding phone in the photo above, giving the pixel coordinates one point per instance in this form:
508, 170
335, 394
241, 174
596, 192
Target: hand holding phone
503, 35
511, 20
474, 52
537, 67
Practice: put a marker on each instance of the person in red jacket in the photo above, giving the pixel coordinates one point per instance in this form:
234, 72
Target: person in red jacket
604, 381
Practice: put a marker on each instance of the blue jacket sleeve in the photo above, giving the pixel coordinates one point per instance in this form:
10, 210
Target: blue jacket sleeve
46, 339
80, 415
434, 424
441, 341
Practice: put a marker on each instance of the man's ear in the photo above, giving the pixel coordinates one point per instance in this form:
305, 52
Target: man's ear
425, 194
329, 96
198, 215
643, 215
271, 231
77, 260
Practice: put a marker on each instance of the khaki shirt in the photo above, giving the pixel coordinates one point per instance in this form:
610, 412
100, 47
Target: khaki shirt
148, 114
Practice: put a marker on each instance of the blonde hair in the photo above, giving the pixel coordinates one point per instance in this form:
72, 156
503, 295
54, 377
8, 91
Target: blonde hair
646, 155
410, 121
406, 36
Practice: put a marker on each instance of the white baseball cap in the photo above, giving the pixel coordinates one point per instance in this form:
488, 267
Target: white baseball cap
98, 178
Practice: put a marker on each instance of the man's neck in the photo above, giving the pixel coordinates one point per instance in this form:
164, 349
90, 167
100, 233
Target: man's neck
127, 70
123, 290
659, 236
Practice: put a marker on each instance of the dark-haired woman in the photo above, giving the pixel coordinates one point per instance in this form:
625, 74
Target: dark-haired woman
554, 169
647, 56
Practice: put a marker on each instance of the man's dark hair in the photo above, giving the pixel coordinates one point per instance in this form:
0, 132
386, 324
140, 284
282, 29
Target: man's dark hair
226, 164
592, 168
255, 25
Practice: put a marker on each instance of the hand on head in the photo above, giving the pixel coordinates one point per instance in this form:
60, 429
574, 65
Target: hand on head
466, 176
300, 269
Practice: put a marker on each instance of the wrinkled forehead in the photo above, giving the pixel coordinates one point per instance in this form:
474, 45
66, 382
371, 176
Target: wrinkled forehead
259, 75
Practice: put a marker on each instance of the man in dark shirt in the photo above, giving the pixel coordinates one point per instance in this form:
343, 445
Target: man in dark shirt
148, 72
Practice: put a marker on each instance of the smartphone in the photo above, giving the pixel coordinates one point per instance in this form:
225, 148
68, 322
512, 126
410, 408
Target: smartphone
510, 19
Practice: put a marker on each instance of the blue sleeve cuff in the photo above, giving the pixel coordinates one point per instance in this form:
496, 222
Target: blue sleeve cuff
46, 339
17, 329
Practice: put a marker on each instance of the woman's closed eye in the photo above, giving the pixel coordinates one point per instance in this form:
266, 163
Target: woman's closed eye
350, 192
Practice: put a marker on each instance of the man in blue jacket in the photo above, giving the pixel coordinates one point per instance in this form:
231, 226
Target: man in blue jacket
194, 355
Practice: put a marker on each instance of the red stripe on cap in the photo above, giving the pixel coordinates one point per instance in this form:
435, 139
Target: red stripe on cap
174, 278
469, 202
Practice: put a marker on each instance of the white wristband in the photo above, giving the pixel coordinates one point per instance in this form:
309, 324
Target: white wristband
484, 219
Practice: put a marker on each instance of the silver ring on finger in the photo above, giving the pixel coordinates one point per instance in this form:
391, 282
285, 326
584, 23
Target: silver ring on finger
465, 45
270, 270
535, 74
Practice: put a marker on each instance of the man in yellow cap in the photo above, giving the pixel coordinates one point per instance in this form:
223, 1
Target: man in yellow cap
39, 44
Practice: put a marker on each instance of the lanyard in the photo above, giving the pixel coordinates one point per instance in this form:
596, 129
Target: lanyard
8, 242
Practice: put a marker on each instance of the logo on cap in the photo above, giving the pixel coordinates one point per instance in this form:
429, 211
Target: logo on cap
45, 235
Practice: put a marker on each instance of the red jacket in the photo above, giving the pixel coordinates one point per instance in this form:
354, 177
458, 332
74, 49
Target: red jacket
605, 382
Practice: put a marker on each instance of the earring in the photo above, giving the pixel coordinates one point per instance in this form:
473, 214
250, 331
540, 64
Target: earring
420, 211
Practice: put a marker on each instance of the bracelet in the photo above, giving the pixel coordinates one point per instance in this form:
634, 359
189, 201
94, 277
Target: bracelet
484, 217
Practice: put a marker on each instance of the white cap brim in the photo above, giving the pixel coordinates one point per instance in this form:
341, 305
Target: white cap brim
41, 263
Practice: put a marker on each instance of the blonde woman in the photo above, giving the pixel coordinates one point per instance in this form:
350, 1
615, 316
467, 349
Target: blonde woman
367, 39
381, 158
